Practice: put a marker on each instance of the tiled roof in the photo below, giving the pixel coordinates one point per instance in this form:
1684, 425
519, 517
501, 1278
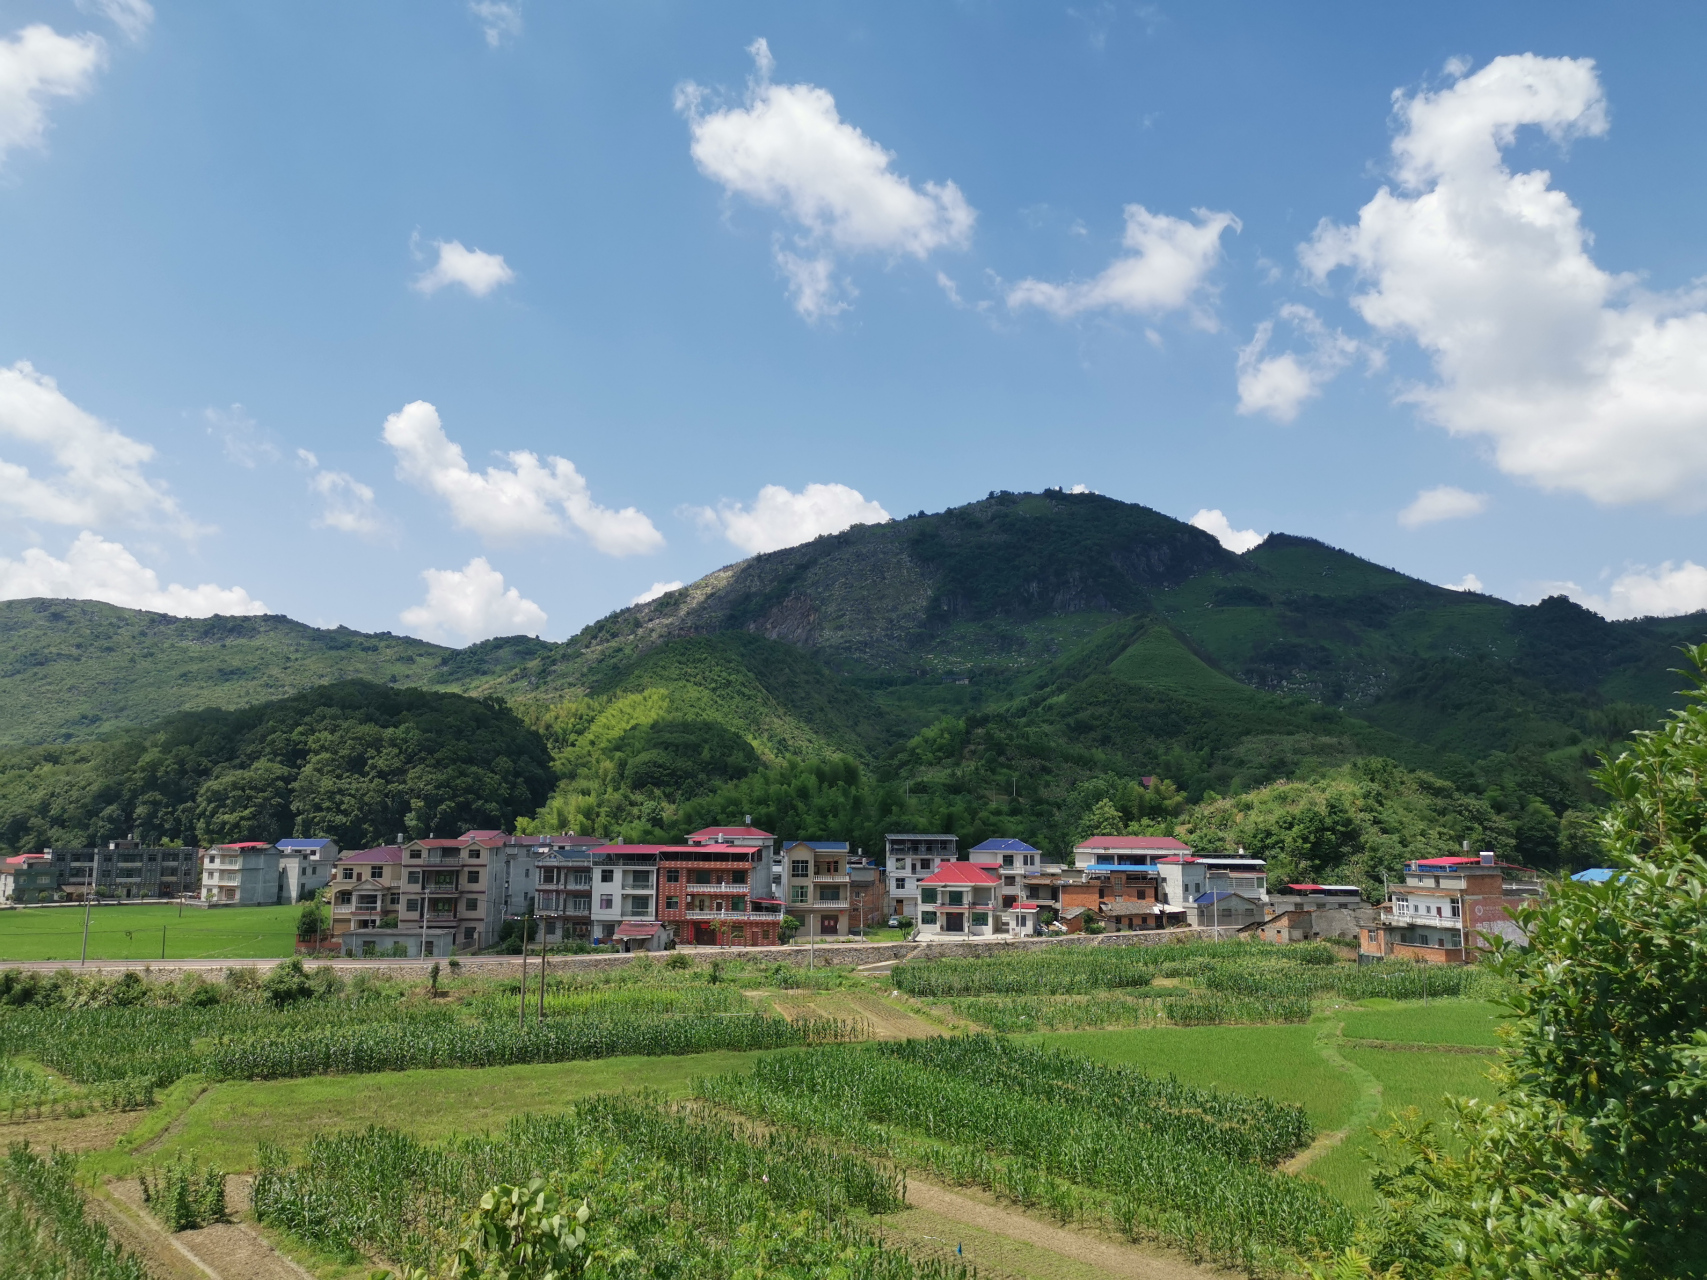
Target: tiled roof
1003, 845
1216, 895
484, 835
726, 833
637, 929
960, 873
438, 844
302, 844
1129, 909
1131, 842
1026, 906
381, 853
245, 844
824, 846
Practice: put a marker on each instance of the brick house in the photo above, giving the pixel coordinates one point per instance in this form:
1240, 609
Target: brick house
1448, 908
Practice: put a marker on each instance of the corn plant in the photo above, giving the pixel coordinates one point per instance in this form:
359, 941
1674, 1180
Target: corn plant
183, 1196
44, 1233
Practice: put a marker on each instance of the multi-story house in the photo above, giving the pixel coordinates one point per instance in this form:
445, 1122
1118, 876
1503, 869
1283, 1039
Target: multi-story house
1225, 909
1448, 909
907, 859
819, 888
958, 900
452, 878
123, 869
246, 874
869, 894
765, 884
367, 890
1111, 853
625, 891
708, 896
307, 865
28, 877
1128, 899
564, 894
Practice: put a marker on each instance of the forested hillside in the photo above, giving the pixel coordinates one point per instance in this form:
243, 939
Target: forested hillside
1013, 666
356, 761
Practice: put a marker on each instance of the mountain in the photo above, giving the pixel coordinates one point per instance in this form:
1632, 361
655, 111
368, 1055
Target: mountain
76, 669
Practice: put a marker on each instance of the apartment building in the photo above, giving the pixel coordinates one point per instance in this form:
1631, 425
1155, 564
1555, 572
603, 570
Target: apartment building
819, 887
307, 866
1448, 909
709, 898
765, 882
907, 860
563, 897
122, 869
624, 889
958, 900
246, 874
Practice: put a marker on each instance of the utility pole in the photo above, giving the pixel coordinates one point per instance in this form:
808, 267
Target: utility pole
523, 1024
541, 1018
162, 942
86, 908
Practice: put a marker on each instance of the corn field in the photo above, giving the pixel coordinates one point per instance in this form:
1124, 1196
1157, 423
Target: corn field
1148, 1156
44, 1234
688, 1193
1143, 1007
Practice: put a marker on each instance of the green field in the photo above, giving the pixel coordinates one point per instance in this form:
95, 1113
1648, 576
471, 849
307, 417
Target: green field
135, 933
1467, 1022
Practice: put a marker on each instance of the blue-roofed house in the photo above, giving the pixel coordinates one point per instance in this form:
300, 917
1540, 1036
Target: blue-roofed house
305, 866
1597, 875
1223, 909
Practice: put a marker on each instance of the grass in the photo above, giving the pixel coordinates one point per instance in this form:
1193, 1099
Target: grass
134, 932
1277, 1062
1465, 1022
227, 1123
1408, 1079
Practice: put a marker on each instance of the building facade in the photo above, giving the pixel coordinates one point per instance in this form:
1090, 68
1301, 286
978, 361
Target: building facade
246, 874
307, 865
907, 859
959, 900
123, 869
709, 899
819, 887
1449, 908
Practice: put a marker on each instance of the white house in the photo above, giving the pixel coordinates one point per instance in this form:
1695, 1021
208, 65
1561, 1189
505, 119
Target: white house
307, 866
910, 858
243, 875
959, 900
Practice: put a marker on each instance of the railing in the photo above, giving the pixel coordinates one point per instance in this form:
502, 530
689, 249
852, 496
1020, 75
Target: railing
726, 915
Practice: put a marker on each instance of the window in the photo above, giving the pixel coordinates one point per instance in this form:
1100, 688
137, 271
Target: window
581, 904
829, 893
738, 877
468, 935
672, 876
474, 855
604, 902
980, 917
396, 898
900, 882
606, 875
473, 876
416, 853
672, 904
367, 900
414, 877
640, 880
374, 873
800, 867
927, 917
927, 893
956, 897
1007, 860
471, 904
548, 875
797, 893
414, 904
349, 872
343, 899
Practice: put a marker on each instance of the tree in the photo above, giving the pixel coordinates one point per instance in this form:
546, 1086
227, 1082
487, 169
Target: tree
1592, 1162
311, 923
1103, 820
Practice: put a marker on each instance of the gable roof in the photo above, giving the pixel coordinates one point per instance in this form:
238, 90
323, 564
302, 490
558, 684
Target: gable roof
1003, 845
434, 844
961, 873
819, 846
1132, 842
1219, 895
468, 836
727, 833
245, 844
380, 853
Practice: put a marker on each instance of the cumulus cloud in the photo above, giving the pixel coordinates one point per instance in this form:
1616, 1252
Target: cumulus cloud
500, 21
100, 479
1580, 379
472, 603
38, 64
779, 518
95, 569
1167, 270
1641, 592
788, 148
530, 499
655, 590
1469, 582
1279, 384
346, 504
1444, 502
240, 436
1238, 541
132, 17
474, 270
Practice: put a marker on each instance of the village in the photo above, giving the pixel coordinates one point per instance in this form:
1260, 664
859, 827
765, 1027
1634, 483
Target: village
744, 887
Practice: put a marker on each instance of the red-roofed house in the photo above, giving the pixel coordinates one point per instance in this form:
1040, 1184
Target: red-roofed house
18, 884
959, 900
1448, 907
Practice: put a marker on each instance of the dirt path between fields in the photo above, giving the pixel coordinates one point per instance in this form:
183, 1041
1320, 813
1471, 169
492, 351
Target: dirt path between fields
1330, 1039
223, 1251
1101, 1255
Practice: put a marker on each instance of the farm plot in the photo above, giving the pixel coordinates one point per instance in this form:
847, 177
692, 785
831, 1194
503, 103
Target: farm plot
1091, 1143
680, 1194
43, 1223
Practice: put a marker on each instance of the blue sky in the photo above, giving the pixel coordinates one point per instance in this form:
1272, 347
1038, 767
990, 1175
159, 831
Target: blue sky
292, 287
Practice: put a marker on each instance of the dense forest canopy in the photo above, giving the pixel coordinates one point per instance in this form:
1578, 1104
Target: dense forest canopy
354, 761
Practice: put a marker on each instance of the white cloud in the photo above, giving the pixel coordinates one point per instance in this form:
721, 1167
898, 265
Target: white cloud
779, 518
346, 503
788, 149
1278, 385
1444, 502
523, 502
1644, 593
1470, 582
1582, 380
500, 21
95, 569
1167, 270
100, 480
478, 272
1238, 541
133, 17
470, 604
37, 64
1081, 488
655, 590
240, 436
